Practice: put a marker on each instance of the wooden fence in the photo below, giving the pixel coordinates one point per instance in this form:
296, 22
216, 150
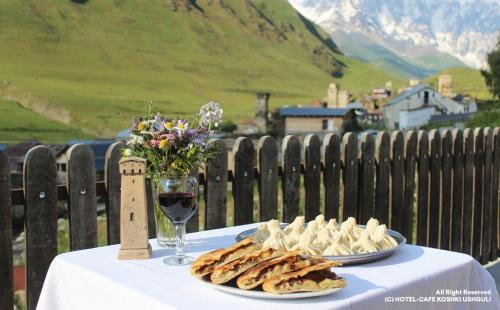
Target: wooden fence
438, 188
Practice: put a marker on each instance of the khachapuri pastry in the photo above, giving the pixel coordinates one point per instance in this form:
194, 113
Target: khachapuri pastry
320, 220
306, 244
231, 270
364, 244
208, 262
277, 241
324, 238
332, 226
289, 262
382, 239
338, 247
310, 279
296, 226
371, 225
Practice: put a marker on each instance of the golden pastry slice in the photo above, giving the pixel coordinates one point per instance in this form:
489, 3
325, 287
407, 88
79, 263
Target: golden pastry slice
208, 262
228, 271
264, 271
310, 279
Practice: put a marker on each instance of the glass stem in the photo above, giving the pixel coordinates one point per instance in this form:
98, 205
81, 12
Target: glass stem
179, 240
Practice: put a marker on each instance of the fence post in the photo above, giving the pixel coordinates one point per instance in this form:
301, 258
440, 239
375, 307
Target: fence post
312, 174
6, 272
350, 175
40, 192
457, 196
268, 178
383, 174
409, 187
80, 183
487, 188
290, 182
435, 187
216, 187
193, 224
468, 191
113, 182
366, 171
331, 175
478, 192
494, 197
446, 196
423, 188
397, 180
243, 176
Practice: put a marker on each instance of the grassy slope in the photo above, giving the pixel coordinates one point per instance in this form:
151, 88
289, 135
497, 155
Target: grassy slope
103, 60
465, 80
19, 124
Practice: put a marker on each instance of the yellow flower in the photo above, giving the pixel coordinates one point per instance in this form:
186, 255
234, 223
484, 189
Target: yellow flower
169, 125
181, 125
141, 126
173, 165
163, 144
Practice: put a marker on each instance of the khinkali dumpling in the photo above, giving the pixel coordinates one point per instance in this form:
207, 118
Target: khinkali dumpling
312, 227
338, 247
273, 225
324, 238
320, 220
296, 225
261, 234
350, 225
371, 225
306, 245
277, 241
364, 244
383, 240
332, 226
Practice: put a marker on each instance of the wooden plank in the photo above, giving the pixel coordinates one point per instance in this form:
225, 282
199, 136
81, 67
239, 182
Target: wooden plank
193, 224
331, 175
478, 192
312, 175
291, 178
409, 187
40, 190
216, 188
82, 212
468, 191
397, 180
423, 188
243, 178
350, 175
6, 270
383, 176
150, 200
495, 197
487, 196
446, 184
366, 206
435, 187
457, 196
112, 180
268, 178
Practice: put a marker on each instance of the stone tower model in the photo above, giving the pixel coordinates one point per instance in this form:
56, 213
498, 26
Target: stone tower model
332, 95
261, 118
133, 210
444, 85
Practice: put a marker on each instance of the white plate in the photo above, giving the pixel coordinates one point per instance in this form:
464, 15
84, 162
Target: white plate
266, 295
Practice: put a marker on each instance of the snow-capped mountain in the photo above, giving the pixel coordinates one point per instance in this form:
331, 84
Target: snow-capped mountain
465, 29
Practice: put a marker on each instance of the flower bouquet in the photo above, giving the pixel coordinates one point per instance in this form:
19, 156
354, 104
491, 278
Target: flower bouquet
173, 147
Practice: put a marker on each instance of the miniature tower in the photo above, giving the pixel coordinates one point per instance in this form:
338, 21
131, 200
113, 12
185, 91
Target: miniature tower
444, 85
133, 210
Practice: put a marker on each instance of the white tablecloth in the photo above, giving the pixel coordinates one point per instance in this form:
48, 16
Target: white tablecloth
96, 279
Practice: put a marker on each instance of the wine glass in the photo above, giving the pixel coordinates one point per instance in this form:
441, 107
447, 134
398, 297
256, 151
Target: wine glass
178, 199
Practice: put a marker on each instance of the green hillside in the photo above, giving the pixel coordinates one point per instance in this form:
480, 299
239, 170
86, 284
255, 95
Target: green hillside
466, 81
94, 65
19, 124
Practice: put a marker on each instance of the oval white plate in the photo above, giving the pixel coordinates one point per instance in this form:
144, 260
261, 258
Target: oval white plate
266, 295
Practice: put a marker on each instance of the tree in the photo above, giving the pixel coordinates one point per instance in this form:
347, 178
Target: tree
492, 74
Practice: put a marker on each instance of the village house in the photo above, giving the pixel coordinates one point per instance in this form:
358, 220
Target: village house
319, 120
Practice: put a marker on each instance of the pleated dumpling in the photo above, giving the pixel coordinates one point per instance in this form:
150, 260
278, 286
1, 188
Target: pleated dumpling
306, 245
261, 234
297, 225
273, 225
324, 238
350, 225
371, 225
338, 247
332, 226
277, 241
383, 240
312, 227
364, 244
320, 221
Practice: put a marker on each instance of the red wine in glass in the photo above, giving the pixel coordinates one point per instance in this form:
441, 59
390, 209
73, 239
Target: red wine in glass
178, 207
